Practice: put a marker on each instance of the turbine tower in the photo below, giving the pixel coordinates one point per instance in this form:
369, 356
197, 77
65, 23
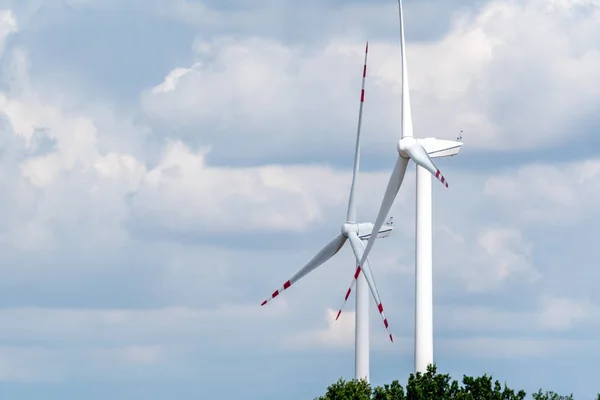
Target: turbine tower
357, 233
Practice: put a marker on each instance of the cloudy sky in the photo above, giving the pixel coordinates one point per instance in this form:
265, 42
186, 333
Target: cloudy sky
166, 164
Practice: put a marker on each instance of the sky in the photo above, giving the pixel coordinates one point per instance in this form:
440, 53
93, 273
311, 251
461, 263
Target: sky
166, 164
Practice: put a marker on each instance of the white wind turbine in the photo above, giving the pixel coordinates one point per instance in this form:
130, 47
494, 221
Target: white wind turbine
436, 148
356, 233
421, 151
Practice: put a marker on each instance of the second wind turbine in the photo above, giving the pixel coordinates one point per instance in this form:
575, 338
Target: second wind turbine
356, 233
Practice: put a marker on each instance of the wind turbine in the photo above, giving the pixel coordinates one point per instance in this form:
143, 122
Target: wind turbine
356, 233
436, 148
421, 152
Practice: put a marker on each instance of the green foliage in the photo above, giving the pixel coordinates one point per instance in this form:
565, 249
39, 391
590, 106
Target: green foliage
345, 390
433, 386
550, 396
482, 388
430, 386
395, 391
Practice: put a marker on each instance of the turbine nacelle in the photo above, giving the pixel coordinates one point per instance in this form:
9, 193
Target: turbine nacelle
437, 148
365, 229
384, 232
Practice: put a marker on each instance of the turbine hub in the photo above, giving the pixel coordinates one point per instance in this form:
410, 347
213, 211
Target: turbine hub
348, 228
404, 144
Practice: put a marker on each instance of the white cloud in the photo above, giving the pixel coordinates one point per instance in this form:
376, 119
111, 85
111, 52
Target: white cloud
513, 255
172, 80
62, 345
507, 74
548, 315
224, 199
486, 331
510, 348
487, 260
8, 26
75, 136
41, 364
181, 193
26, 364
184, 193
337, 334
558, 193
562, 313
134, 326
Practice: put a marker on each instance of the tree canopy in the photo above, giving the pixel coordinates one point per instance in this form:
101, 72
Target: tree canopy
433, 386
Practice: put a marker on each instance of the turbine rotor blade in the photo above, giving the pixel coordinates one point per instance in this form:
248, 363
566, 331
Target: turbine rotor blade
407, 127
354, 279
358, 248
351, 215
419, 155
325, 254
388, 199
